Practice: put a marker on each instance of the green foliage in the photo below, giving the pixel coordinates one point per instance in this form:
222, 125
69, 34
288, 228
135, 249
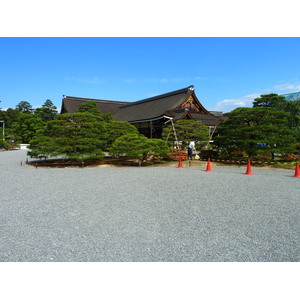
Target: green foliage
297, 146
24, 107
245, 128
158, 148
47, 112
293, 109
269, 100
210, 153
91, 107
78, 136
187, 130
138, 146
8, 143
22, 126
132, 145
26, 127
115, 129
10, 116
3, 143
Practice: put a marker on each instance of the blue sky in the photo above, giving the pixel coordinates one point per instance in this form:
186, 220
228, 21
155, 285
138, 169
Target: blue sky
226, 72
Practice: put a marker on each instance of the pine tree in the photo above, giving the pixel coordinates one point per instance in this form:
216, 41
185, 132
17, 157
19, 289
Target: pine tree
91, 107
48, 111
256, 129
139, 147
77, 136
269, 100
24, 107
115, 129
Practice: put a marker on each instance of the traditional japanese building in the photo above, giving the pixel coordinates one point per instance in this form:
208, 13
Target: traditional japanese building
151, 115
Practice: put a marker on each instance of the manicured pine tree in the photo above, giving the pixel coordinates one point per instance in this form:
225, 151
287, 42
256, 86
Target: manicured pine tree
248, 129
77, 136
270, 100
115, 129
139, 147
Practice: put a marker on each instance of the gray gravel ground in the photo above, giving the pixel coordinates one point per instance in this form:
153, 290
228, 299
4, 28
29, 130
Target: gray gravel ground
147, 214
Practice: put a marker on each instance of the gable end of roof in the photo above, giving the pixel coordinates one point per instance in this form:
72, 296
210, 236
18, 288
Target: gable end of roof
158, 97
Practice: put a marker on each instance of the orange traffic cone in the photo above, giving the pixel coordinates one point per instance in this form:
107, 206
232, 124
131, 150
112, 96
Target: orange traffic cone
248, 171
180, 163
297, 171
208, 168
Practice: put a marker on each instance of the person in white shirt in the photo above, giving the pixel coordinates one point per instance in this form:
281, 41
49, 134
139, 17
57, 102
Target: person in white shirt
191, 147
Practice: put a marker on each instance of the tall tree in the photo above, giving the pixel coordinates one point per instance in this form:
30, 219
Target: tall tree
78, 136
248, 129
293, 109
26, 127
10, 116
48, 111
270, 100
24, 107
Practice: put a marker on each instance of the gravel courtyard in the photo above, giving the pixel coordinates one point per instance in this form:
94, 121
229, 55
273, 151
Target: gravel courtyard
157, 214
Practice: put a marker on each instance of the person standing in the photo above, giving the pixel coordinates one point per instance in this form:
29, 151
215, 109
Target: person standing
191, 147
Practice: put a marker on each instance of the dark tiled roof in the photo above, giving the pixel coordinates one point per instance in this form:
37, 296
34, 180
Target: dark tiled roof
71, 104
208, 120
152, 107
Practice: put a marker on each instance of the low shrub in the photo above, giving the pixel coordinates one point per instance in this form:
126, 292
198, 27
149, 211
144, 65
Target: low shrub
289, 157
264, 156
176, 154
297, 146
205, 154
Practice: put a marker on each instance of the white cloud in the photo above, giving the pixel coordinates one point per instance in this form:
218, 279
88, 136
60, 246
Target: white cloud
227, 105
287, 87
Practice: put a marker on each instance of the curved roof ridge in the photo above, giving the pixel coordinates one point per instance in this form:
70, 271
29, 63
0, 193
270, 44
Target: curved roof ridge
184, 90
